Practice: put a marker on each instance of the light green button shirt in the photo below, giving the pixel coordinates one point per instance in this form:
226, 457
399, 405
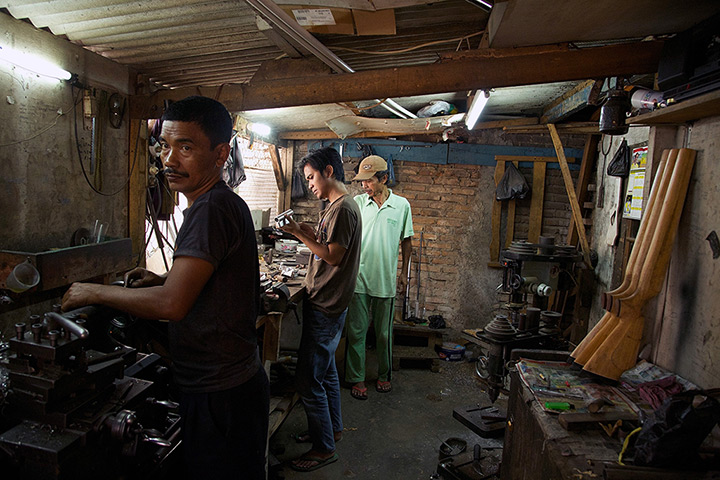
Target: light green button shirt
382, 231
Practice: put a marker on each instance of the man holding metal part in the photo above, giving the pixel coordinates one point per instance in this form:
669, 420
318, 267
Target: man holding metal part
330, 282
211, 298
387, 228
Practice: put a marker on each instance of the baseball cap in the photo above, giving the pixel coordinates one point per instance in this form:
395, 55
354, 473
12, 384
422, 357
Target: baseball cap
370, 166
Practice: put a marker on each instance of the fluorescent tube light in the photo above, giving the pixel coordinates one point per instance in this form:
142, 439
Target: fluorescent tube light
476, 107
261, 129
34, 64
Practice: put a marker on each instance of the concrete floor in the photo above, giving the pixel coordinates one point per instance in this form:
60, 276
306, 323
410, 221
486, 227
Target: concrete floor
395, 435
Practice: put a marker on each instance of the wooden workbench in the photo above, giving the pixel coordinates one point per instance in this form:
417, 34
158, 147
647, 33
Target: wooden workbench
537, 446
271, 324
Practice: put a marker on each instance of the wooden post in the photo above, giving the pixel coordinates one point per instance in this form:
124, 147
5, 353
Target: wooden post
496, 219
536, 202
137, 192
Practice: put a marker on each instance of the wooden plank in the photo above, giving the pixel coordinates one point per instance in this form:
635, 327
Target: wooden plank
493, 69
568, 103
536, 202
137, 191
587, 168
271, 337
702, 106
277, 167
286, 159
517, 158
573, 422
567, 178
327, 134
496, 216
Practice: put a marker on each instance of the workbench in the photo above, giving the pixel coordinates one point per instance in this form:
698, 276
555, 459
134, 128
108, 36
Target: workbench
537, 446
271, 326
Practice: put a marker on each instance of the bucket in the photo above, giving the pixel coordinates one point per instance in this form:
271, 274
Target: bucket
23, 277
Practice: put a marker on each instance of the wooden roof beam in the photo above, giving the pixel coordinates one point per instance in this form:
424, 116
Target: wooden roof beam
493, 70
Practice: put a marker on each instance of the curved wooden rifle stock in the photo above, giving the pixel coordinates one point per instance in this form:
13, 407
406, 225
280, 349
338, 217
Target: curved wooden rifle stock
608, 322
619, 350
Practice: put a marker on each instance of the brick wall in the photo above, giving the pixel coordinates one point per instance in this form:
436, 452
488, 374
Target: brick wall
452, 207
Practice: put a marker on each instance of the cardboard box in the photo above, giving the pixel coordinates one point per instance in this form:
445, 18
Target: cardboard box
322, 20
380, 22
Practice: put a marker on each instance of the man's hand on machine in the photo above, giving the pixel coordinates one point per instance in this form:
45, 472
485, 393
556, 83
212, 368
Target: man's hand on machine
140, 277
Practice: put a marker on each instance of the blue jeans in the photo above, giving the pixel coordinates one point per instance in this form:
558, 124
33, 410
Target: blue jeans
317, 379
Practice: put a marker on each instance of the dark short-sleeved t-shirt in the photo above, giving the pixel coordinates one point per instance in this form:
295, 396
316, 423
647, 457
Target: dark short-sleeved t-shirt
329, 287
215, 346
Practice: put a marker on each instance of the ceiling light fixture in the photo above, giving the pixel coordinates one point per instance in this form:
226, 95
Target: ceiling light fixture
476, 107
34, 64
484, 4
277, 17
261, 129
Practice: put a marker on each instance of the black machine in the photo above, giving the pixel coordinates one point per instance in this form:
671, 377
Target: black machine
532, 273
78, 403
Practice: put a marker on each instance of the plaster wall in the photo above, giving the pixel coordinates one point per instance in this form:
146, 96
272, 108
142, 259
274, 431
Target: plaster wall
606, 217
686, 320
44, 196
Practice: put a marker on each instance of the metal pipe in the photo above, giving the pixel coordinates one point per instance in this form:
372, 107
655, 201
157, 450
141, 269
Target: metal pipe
69, 325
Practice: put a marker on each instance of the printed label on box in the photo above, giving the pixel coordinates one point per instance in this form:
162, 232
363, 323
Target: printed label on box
307, 17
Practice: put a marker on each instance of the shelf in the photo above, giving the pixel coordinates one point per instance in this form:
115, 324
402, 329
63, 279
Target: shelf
695, 108
64, 266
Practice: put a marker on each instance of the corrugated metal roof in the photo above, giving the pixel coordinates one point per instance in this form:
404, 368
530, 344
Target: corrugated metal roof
213, 42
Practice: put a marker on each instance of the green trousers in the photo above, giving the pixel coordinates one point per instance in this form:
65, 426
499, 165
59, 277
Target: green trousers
362, 309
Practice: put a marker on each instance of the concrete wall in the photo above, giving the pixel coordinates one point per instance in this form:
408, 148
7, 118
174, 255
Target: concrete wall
452, 206
609, 256
44, 197
686, 319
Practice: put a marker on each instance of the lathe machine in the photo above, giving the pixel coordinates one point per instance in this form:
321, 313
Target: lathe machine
78, 402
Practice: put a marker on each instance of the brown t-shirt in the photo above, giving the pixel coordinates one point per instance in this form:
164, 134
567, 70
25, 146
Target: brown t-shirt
330, 288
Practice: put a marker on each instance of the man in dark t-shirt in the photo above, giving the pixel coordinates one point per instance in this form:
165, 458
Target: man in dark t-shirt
211, 297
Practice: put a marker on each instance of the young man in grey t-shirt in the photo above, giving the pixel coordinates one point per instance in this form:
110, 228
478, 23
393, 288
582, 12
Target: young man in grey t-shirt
330, 282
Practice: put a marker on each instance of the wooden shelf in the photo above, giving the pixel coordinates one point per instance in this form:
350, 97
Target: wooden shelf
695, 108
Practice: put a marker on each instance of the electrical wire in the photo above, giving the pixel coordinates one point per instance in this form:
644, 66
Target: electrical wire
409, 49
59, 114
82, 165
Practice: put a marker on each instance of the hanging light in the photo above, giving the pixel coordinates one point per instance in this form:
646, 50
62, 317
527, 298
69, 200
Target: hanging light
613, 113
476, 107
33, 63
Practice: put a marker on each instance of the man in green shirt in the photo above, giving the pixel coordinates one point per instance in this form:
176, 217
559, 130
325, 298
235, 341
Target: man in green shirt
386, 230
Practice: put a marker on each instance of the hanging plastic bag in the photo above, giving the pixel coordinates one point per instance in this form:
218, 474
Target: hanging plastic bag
512, 185
299, 190
620, 164
671, 438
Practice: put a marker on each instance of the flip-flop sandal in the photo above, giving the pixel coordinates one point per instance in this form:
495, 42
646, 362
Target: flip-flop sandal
383, 387
359, 393
319, 462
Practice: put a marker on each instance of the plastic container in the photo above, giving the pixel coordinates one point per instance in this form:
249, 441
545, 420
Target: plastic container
286, 246
451, 352
23, 277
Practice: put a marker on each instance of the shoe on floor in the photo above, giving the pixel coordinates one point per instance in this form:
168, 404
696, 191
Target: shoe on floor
317, 462
359, 393
383, 387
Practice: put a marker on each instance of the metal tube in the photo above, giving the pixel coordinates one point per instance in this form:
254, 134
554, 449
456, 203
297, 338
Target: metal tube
69, 325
